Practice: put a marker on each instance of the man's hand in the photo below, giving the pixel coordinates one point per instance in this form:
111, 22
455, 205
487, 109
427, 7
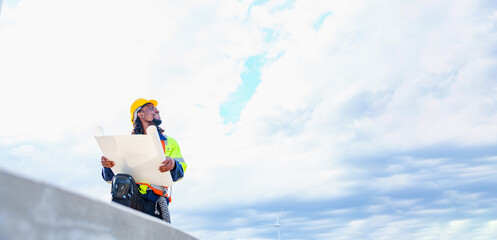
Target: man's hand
167, 165
107, 163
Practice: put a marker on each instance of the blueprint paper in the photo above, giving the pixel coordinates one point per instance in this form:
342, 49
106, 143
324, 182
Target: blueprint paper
137, 155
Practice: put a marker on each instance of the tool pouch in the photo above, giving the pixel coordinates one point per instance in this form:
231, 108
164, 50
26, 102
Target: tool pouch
125, 191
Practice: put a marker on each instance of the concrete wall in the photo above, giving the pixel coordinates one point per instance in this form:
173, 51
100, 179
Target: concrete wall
35, 210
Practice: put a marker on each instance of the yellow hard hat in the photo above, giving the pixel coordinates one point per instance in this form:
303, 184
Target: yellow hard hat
135, 107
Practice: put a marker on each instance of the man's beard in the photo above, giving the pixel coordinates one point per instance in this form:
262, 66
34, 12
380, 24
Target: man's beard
156, 122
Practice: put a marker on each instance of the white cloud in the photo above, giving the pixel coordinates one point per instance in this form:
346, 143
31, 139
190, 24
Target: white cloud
375, 79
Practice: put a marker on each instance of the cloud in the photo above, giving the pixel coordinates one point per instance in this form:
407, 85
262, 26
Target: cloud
383, 115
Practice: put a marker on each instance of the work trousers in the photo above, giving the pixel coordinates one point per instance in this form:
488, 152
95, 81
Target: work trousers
143, 204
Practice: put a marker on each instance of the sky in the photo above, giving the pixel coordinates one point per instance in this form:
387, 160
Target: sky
342, 119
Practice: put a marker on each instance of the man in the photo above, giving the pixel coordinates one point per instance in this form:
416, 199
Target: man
143, 196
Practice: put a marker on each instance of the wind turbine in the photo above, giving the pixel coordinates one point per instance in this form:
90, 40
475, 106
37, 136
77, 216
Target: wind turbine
277, 224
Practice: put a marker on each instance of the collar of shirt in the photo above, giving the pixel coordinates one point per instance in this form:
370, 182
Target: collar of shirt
162, 137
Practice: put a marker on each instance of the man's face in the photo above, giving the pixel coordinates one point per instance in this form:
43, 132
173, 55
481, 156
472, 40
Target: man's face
149, 113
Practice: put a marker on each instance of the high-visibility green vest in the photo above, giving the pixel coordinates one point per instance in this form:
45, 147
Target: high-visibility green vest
171, 149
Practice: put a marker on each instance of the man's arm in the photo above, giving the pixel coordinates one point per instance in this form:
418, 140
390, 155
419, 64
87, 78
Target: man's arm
107, 173
174, 167
179, 169
177, 173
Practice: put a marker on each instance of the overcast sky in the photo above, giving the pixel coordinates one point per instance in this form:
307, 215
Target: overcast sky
345, 119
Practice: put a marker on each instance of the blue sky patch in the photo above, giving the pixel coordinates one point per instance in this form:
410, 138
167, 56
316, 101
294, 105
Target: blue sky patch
269, 35
231, 109
317, 24
10, 3
289, 4
258, 3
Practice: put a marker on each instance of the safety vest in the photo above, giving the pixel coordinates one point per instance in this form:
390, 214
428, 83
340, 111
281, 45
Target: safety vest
171, 149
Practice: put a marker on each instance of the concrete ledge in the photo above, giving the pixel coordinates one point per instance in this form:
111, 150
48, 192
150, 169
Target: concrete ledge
35, 210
